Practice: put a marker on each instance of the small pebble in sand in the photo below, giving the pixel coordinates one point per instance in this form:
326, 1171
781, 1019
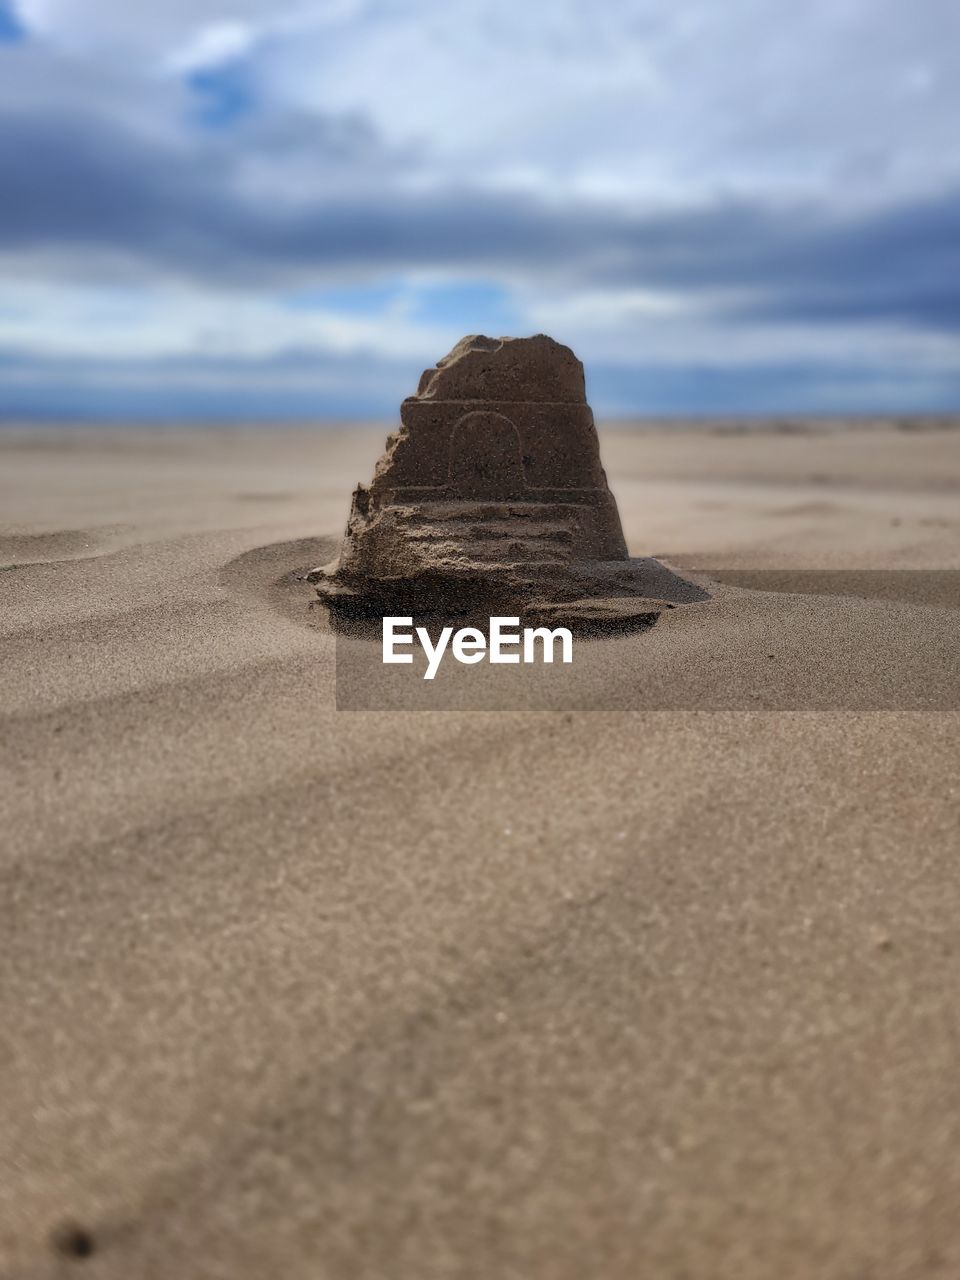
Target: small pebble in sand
72, 1240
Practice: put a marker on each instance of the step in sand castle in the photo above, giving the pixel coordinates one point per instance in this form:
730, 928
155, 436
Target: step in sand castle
492, 493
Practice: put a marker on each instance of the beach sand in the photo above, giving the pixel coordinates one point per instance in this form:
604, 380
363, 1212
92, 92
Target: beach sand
293, 993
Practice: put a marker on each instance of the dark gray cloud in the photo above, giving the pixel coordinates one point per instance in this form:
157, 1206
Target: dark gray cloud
80, 189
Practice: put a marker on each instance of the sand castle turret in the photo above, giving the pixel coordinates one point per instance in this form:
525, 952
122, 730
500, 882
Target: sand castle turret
492, 489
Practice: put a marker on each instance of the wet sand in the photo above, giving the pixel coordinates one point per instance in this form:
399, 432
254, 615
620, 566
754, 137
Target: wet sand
297, 992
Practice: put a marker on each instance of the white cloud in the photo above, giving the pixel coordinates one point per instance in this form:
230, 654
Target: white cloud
612, 328
658, 98
130, 324
211, 46
848, 99
145, 33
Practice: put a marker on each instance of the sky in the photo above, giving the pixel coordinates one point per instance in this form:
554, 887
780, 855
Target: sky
287, 209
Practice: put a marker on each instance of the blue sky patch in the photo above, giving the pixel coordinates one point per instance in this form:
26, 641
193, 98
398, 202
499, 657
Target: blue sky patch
486, 306
223, 95
10, 27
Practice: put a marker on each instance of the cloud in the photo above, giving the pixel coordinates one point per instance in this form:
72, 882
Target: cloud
846, 98
146, 34
212, 46
79, 187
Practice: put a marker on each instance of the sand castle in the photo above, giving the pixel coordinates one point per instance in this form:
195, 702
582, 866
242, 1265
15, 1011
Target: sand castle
491, 490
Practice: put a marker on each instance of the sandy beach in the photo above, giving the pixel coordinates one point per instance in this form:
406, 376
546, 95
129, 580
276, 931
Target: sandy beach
661, 986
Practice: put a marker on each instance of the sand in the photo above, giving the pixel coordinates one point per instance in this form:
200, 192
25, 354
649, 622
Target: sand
292, 992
